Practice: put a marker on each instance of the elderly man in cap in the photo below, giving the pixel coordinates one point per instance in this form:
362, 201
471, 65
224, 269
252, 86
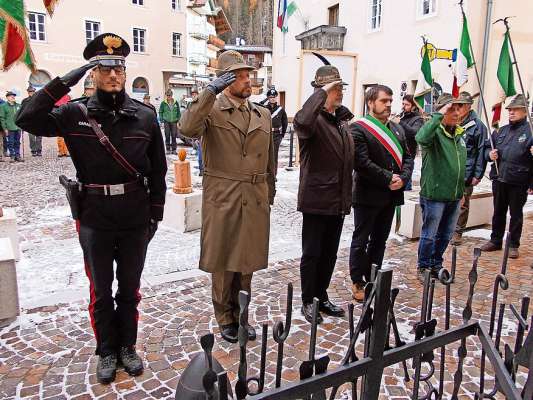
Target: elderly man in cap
8, 110
383, 167
279, 120
326, 156
36, 146
443, 181
238, 185
475, 135
118, 152
170, 114
510, 187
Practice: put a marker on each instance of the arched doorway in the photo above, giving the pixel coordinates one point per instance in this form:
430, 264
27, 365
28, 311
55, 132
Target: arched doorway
39, 78
140, 86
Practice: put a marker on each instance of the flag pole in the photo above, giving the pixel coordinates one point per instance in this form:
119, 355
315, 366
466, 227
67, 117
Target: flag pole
481, 93
515, 62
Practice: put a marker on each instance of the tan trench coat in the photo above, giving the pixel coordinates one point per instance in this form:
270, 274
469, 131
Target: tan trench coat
238, 183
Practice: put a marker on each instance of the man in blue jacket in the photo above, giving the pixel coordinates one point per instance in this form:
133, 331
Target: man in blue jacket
511, 185
474, 135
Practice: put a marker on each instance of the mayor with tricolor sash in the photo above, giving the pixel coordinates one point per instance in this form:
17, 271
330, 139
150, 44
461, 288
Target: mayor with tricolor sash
383, 166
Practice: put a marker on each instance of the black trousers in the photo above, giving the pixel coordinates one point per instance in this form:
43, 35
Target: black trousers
171, 132
512, 198
320, 241
371, 229
114, 327
278, 137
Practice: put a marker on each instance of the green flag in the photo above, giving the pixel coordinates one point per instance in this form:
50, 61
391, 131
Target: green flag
505, 69
13, 34
425, 80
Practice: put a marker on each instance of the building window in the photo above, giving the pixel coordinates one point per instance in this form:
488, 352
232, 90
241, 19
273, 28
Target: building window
92, 29
36, 26
139, 37
140, 85
138, 2
176, 44
375, 15
176, 5
333, 13
427, 7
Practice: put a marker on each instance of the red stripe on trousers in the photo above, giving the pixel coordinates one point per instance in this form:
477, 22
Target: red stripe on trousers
93, 299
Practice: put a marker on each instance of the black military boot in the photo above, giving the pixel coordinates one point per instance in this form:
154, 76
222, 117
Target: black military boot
131, 361
106, 370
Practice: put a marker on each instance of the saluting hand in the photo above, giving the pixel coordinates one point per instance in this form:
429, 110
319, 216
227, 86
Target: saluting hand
328, 86
221, 83
74, 76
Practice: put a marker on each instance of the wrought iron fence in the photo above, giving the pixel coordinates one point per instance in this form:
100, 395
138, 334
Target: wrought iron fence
378, 324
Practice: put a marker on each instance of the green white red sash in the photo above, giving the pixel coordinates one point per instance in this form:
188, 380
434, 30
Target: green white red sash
385, 136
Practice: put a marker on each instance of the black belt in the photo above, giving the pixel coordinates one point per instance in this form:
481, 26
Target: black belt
112, 190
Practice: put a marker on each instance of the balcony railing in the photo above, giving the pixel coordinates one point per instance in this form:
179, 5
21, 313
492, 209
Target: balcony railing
323, 37
216, 41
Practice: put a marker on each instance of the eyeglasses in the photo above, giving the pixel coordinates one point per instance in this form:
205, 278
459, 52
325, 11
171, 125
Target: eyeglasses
106, 70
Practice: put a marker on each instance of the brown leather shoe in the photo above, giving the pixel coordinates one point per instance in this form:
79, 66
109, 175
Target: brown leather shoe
489, 246
513, 252
358, 292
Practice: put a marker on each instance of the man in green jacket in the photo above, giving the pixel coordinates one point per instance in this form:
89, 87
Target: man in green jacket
443, 171
169, 114
8, 110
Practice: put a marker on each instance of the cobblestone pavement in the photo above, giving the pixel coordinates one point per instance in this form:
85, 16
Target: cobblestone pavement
47, 352
49, 240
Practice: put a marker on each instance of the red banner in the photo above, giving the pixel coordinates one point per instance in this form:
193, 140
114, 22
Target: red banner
50, 5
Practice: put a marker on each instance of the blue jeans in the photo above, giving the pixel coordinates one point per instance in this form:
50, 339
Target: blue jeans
439, 221
13, 143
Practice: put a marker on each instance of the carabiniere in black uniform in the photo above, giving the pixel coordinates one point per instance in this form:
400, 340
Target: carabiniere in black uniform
118, 212
279, 120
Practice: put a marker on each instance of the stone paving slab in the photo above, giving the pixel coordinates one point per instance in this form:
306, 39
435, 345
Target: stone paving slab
48, 351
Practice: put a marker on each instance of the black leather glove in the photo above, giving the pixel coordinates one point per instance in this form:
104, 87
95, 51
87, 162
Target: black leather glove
221, 83
152, 228
74, 76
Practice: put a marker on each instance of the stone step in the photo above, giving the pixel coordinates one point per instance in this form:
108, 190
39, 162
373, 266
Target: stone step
9, 299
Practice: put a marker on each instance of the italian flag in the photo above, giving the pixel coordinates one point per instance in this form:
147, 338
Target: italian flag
505, 75
464, 60
385, 136
425, 80
13, 35
284, 13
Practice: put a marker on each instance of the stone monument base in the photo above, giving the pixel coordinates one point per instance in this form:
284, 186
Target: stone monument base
183, 211
8, 229
481, 210
9, 299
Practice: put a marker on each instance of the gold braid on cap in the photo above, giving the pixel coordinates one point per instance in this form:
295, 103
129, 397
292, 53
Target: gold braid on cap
112, 42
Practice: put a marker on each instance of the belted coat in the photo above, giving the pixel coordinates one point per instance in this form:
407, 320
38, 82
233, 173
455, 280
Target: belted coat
238, 183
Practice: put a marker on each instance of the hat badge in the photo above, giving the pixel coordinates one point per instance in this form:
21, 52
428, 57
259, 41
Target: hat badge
112, 42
